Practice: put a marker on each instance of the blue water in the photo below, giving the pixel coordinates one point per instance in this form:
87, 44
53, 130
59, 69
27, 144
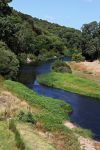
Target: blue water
86, 110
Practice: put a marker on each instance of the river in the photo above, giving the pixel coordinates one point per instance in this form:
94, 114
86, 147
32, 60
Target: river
86, 110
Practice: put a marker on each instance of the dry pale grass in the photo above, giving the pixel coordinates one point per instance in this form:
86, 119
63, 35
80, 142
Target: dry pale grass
89, 67
34, 140
7, 138
11, 105
89, 70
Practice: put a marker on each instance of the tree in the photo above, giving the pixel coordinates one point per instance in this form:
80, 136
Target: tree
60, 66
25, 38
4, 7
91, 40
78, 57
9, 64
9, 26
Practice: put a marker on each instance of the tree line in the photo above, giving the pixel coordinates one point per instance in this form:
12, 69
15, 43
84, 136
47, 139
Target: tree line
23, 36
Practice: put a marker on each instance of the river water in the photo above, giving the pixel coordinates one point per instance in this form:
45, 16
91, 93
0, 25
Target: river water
86, 110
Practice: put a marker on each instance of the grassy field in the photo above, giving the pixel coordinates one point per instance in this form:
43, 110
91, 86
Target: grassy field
72, 83
7, 138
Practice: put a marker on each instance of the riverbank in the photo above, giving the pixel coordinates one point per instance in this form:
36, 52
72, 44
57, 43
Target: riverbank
72, 83
49, 114
50, 131
88, 70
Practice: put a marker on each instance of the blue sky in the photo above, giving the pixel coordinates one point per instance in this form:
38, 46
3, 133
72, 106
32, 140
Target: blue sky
72, 13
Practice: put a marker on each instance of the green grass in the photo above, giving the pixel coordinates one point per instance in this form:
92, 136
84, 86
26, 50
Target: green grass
72, 83
7, 138
55, 109
53, 114
83, 132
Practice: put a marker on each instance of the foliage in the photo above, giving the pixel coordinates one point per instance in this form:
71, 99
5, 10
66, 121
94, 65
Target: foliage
60, 66
52, 115
26, 117
32, 57
24, 34
71, 82
22, 57
19, 142
78, 57
91, 40
9, 63
4, 8
58, 107
54, 111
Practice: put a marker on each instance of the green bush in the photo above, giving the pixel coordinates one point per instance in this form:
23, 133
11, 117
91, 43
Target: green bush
22, 57
60, 66
26, 117
78, 57
9, 64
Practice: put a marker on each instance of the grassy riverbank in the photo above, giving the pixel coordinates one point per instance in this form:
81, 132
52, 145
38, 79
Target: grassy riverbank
49, 131
50, 115
72, 83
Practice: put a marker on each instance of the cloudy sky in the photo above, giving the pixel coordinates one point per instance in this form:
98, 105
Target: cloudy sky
72, 13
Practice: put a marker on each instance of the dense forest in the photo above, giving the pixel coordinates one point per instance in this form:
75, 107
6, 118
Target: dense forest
22, 37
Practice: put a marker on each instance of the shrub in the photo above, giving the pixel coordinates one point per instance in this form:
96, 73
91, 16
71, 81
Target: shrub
9, 64
60, 66
22, 57
78, 57
26, 117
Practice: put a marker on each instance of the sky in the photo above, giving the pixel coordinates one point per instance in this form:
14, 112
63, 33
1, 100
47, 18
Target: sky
70, 13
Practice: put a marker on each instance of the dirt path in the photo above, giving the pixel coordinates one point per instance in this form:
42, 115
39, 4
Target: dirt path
85, 143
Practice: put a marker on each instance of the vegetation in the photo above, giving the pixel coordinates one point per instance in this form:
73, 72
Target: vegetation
52, 115
19, 142
60, 66
84, 132
70, 82
78, 57
9, 63
26, 117
41, 40
59, 108
7, 138
91, 40
32, 139
37, 115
